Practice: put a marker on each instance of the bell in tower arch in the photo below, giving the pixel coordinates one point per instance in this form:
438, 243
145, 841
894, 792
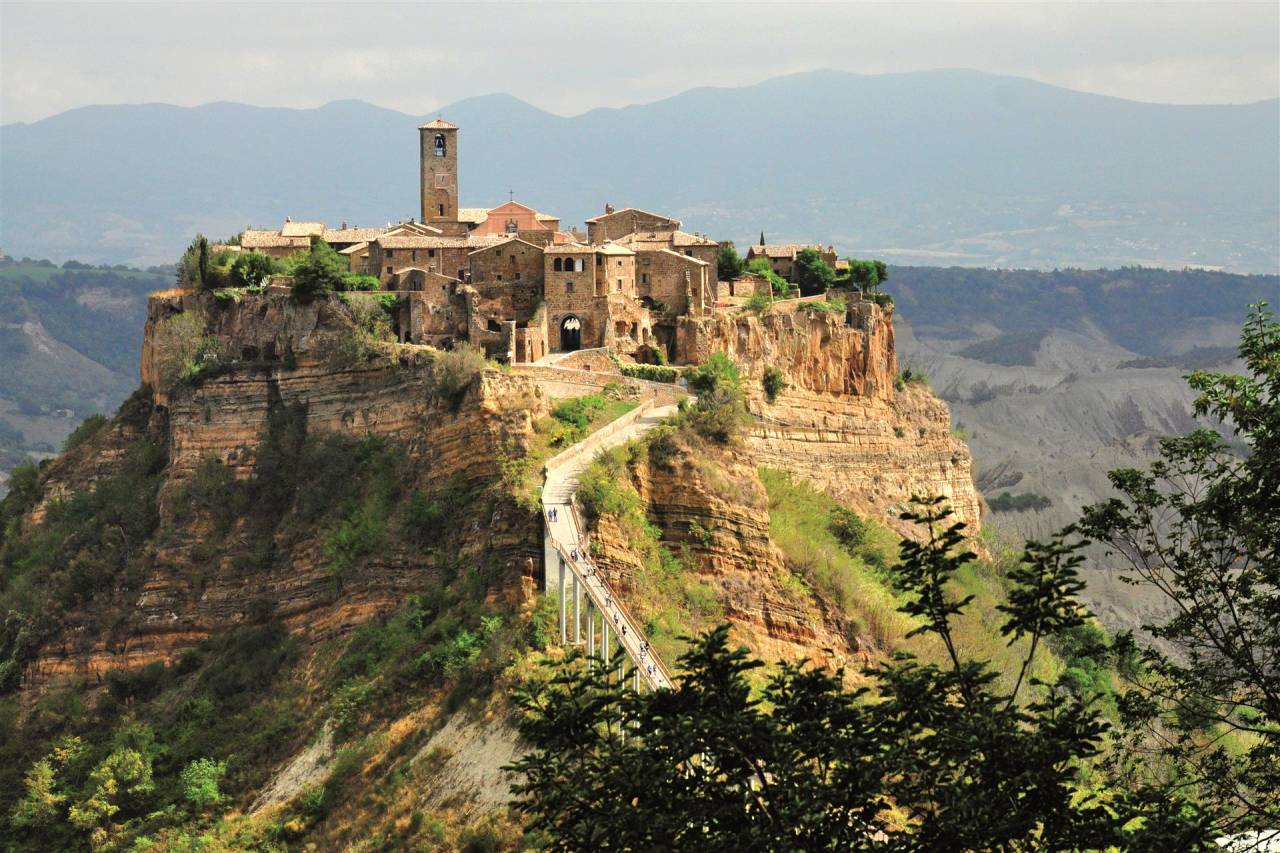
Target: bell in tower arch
439, 144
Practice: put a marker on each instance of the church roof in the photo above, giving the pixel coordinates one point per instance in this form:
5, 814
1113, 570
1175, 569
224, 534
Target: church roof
437, 124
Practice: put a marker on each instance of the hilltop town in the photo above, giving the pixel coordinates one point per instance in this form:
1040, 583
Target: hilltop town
511, 280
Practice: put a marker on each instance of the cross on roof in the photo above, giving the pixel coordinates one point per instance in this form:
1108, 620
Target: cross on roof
511, 195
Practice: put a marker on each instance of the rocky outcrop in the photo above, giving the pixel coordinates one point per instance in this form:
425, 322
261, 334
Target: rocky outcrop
192, 591
711, 510
840, 423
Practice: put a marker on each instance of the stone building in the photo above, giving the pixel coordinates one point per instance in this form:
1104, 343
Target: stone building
782, 256
509, 279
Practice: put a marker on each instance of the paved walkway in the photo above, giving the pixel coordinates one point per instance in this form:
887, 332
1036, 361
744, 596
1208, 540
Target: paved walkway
567, 538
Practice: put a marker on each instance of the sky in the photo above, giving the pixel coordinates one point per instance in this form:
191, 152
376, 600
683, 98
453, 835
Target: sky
569, 57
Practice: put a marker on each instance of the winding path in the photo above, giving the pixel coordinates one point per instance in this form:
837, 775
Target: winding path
583, 595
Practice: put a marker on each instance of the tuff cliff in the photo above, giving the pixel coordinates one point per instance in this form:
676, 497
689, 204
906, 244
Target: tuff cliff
277, 379
844, 421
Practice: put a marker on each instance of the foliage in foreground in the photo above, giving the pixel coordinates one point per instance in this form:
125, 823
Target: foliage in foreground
940, 759
1203, 528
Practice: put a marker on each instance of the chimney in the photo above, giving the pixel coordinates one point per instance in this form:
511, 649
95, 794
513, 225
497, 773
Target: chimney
608, 208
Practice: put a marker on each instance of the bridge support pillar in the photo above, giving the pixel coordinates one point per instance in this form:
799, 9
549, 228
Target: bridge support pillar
604, 641
564, 622
591, 634
577, 611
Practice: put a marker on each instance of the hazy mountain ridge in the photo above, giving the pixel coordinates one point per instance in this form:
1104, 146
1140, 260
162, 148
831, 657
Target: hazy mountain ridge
939, 167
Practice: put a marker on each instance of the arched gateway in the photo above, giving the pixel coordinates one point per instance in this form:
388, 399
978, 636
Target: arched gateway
570, 334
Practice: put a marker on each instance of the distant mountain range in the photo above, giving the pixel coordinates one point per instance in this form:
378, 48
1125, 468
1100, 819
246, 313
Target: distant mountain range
939, 167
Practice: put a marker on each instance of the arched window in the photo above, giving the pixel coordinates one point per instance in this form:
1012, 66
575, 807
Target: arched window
558, 265
439, 144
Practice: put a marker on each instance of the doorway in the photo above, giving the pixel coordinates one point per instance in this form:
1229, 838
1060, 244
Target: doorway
570, 334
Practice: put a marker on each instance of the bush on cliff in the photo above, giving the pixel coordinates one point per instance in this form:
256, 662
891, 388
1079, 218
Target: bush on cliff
718, 413
762, 268
251, 269
456, 369
320, 272
773, 381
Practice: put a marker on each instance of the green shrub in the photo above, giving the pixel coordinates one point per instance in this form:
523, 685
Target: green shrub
429, 517
88, 428
813, 274
200, 781
758, 304
321, 272
848, 527
455, 370
773, 381
576, 415
356, 282
251, 269
779, 285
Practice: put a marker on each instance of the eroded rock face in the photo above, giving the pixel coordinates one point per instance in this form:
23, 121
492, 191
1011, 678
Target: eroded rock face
870, 454
840, 423
191, 592
711, 509
849, 354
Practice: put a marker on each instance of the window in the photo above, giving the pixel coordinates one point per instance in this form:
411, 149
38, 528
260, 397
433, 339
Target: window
619, 261
431, 253
441, 207
557, 265
578, 266
388, 269
517, 276
644, 278
390, 252
439, 144
568, 286
599, 260
513, 258
619, 285
688, 253
499, 276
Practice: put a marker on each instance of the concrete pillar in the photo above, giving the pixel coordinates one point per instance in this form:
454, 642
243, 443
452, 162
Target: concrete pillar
591, 634
577, 611
563, 621
604, 641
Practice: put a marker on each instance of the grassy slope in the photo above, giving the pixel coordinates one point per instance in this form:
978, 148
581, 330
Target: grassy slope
860, 580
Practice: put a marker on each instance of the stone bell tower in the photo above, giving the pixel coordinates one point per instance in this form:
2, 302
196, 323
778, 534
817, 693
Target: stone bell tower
439, 155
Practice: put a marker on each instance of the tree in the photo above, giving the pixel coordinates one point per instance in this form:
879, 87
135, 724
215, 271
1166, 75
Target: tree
926, 758
1202, 527
321, 272
194, 263
762, 238
728, 265
865, 275
813, 274
251, 268
200, 782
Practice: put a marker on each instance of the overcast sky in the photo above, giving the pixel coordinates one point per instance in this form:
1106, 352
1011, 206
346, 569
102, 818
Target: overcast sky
567, 58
